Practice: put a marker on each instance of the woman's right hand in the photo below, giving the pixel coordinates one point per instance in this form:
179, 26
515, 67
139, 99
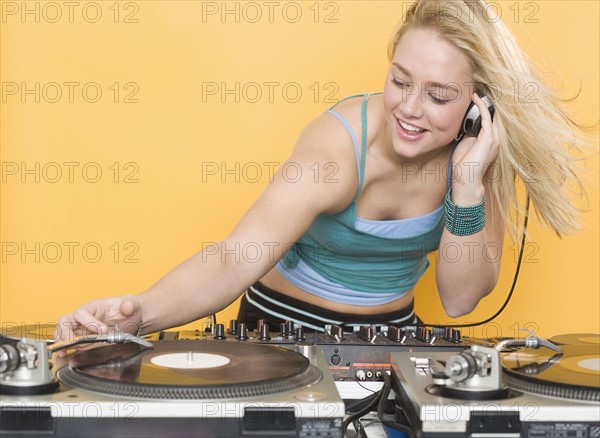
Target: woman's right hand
101, 316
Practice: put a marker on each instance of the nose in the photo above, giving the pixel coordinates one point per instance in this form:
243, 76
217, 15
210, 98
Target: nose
410, 105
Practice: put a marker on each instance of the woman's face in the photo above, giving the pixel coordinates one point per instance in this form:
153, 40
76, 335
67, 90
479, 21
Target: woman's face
426, 93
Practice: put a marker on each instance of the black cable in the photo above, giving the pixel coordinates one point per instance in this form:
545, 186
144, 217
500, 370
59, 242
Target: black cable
376, 396
387, 386
363, 386
366, 399
510, 293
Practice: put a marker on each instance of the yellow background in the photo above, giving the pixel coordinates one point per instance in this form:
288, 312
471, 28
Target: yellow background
164, 143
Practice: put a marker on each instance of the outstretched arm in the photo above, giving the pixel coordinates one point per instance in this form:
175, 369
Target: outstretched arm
214, 277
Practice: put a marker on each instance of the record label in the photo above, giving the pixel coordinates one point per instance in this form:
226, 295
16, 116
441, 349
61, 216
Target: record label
190, 360
590, 364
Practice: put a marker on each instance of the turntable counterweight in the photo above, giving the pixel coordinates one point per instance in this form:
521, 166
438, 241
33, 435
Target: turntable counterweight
25, 368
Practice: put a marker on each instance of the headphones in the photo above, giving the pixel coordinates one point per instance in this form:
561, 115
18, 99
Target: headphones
471, 124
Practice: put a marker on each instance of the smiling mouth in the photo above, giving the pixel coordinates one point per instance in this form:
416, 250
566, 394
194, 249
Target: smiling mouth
410, 128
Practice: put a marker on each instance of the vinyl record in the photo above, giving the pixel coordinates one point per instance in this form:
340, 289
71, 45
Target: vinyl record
574, 374
189, 370
577, 339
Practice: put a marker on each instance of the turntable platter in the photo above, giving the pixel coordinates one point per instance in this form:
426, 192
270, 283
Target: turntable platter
574, 374
589, 339
189, 370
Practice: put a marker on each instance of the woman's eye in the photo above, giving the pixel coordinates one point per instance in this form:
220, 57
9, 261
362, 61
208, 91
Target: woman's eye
398, 83
438, 100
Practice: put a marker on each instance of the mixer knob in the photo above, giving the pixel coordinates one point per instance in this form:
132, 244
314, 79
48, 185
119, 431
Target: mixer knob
283, 330
289, 327
259, 324
365, 332
455, 335
395, 333
427, 335
424, 334
300, 334
219, 332
448, 333
233, 326
337, 331
242, 332
265, 334
419, 334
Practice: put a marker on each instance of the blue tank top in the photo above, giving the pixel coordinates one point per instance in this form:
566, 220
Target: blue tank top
357, 261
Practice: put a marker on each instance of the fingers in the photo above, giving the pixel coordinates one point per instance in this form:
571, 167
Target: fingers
77, 324
84, 320
100, 316
486, 117
490, 133
483, 149
489, 127
496, 124
65, 328
86, 316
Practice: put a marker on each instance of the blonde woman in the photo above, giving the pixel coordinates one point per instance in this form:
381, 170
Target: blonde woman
349, 249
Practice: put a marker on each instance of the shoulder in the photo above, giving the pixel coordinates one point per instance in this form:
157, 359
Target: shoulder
334, 132
331, 126
351, 107
351, 110
324, 153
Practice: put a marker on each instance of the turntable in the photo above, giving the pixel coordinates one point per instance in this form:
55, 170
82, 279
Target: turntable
167, 388
516, 388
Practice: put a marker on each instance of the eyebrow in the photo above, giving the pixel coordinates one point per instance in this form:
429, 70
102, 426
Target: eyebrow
434, 83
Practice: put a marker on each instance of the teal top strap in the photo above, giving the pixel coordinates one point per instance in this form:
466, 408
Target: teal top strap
346, 98
363, 143
364, 134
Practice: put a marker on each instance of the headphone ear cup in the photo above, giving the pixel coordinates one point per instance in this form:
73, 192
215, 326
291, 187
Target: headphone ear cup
475, 125
472, 115
471, 124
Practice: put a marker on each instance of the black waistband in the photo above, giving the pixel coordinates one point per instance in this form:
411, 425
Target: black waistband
261, 302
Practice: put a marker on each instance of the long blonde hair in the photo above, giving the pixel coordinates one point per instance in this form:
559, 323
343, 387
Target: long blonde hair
536, 134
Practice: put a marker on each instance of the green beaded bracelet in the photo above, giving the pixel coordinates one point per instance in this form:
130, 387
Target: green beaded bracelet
464, 221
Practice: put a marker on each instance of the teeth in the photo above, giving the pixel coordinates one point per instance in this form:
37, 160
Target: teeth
410, 127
